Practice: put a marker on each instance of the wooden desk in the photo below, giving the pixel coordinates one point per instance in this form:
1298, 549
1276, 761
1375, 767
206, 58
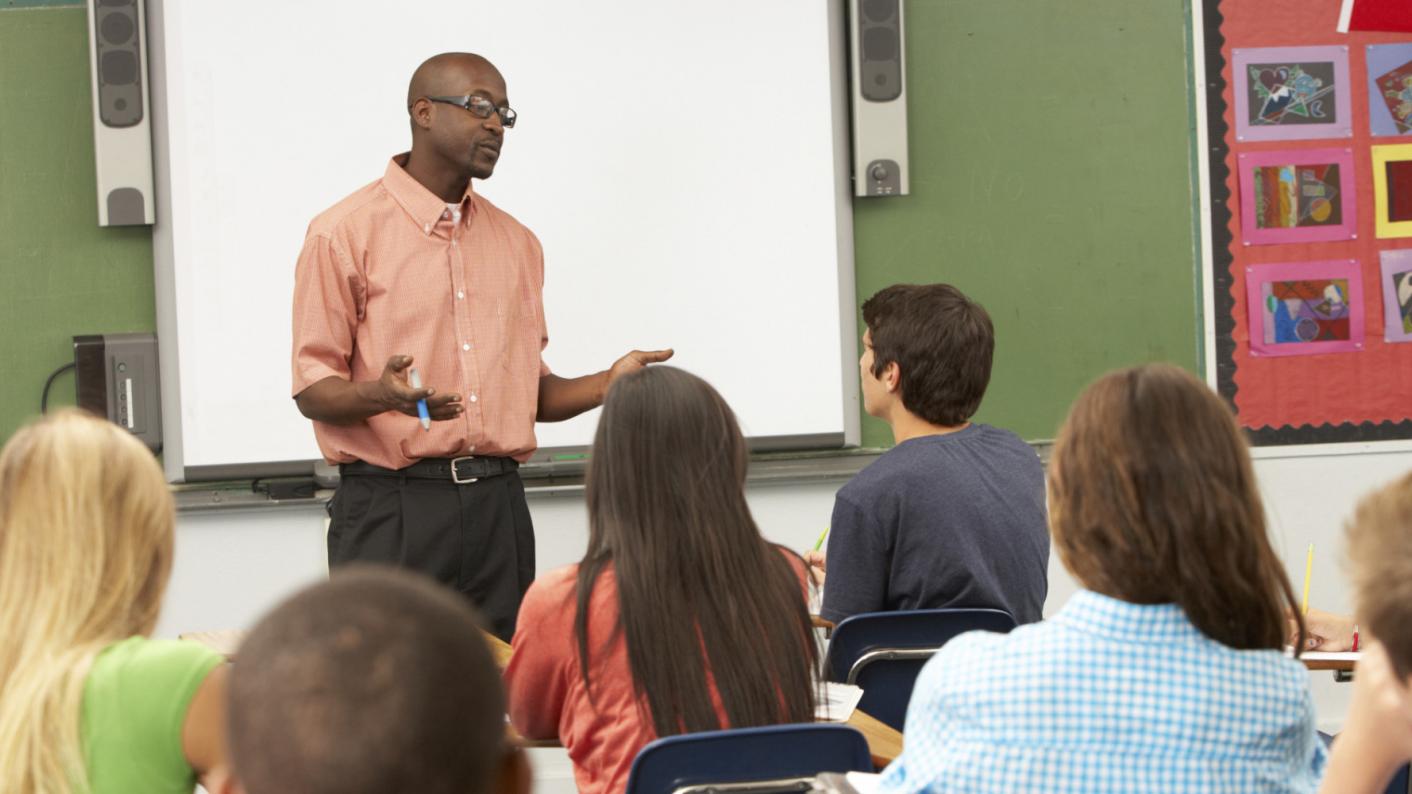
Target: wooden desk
884, 741
1338, 662
1342, 664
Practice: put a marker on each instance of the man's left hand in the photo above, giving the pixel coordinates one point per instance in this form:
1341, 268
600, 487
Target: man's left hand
635, 361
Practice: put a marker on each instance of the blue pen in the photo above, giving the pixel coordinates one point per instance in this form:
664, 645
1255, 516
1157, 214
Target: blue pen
416, 378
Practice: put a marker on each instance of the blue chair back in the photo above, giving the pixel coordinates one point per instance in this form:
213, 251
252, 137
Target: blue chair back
773, 758
883, 652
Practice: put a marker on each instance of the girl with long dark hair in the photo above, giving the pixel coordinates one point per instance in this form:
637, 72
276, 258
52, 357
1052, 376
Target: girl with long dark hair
680, 617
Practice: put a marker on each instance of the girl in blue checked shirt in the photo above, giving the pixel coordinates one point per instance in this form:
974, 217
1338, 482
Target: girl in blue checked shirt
1166, 673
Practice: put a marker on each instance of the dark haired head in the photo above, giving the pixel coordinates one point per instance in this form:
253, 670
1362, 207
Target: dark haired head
696, 582
942, 343
375, 681
1152, 499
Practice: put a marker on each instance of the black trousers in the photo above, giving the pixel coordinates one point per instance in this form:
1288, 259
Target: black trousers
475, 538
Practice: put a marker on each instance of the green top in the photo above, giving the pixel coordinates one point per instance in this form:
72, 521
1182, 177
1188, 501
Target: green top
134, 706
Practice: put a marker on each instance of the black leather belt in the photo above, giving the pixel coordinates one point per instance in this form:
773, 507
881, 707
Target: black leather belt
462, 470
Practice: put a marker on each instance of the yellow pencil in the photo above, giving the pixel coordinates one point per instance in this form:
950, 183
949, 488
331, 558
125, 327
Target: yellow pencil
1308, 569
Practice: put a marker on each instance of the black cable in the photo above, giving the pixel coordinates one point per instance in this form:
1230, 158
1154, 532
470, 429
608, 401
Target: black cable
44, 398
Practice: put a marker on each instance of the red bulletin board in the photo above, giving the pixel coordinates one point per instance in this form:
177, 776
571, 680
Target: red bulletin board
1301, 394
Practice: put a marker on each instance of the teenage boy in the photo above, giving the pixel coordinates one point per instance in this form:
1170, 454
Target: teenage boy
953, 515
375, 681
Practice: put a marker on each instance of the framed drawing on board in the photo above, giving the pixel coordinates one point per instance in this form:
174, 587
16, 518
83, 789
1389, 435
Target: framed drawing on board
1291, 93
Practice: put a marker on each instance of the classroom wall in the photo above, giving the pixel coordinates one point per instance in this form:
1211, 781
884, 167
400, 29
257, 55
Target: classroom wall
1027, 118
1050, 179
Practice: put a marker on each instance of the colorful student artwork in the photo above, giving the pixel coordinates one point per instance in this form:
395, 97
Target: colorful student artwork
1390, 89
1392, 190
1397, 295
1305, 308
1291, 93
1297, 196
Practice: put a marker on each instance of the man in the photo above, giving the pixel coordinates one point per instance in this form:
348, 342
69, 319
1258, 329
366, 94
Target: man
418, 267
953, 515
375, 681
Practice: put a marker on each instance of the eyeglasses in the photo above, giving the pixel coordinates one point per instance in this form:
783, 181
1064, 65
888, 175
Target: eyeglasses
479, 106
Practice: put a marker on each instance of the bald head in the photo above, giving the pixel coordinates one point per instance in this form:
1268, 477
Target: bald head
449, 74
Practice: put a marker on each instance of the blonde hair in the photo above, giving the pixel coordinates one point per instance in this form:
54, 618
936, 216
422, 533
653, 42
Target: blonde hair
1380, 555
86, 524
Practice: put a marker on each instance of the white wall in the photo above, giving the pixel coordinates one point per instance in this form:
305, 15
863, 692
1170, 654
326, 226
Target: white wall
232, 566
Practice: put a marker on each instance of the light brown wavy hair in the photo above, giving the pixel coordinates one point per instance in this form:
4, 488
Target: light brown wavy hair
1380, 559
1152, 499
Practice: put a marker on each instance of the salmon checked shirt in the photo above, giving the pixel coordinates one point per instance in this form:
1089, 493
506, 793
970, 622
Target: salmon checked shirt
392, 269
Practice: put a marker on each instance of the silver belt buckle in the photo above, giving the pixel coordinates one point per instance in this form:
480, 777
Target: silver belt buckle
457, 478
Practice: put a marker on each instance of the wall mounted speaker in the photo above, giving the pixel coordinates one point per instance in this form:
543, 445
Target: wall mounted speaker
879, 95
122, 131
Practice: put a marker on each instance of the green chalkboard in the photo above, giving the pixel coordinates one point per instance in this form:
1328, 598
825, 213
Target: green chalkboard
60, 275
1050, 180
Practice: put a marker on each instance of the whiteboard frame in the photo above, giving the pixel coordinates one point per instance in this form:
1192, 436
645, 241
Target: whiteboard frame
164, 272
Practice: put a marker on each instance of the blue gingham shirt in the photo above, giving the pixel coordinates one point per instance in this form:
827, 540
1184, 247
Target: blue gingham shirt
1108, 696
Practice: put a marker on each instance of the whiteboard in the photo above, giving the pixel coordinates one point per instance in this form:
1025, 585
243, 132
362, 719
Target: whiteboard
683, 164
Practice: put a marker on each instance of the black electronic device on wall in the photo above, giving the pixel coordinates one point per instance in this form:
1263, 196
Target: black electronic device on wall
116, 376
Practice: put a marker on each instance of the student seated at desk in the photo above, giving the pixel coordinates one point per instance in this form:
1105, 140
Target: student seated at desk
1377, 737
1167, 672
375, 681
680, 617
953, 515
88, 703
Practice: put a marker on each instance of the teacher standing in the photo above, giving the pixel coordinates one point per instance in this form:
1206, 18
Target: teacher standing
417, 269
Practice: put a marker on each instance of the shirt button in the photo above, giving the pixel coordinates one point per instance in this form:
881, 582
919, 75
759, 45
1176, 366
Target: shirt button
466, 346
427, 228
460, 294
473, 397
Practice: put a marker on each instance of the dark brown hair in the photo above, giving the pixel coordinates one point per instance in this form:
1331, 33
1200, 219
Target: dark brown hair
943, 343
377, 680
699, 590
1152, 499
1380, 556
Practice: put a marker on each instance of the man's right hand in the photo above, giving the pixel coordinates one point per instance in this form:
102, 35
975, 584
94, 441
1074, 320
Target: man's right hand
392, 391
337, 401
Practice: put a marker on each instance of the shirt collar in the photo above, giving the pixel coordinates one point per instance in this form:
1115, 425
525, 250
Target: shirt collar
425, 207
1094, 613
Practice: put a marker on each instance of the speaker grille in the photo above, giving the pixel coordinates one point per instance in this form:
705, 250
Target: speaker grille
119, 77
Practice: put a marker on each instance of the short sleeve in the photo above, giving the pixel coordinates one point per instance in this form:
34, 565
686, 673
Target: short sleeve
329, 298
134, 708
542, 657
858, 560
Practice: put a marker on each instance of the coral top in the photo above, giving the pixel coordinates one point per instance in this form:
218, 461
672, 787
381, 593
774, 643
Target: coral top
547, 694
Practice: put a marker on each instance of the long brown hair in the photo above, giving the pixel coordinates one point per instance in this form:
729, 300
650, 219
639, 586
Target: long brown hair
698, 588
1152, 499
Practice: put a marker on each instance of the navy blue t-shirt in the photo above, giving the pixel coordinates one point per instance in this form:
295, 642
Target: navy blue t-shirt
955, 520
